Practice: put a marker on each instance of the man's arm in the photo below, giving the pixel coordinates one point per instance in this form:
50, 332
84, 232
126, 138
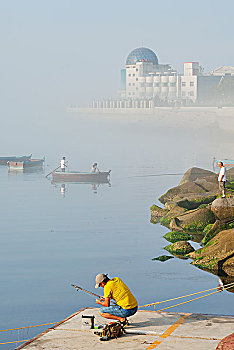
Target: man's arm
105, 302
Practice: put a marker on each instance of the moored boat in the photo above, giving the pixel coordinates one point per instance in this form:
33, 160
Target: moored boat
5, 160
29, 163
75, 176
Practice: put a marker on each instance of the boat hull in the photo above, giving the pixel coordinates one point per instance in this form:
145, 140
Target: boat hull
101, 177
31, 163
5, 160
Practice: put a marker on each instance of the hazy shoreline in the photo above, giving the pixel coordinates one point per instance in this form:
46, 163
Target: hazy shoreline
195, 117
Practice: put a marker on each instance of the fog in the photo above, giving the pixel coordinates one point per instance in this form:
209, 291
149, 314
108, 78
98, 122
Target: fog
56, 53
60, 53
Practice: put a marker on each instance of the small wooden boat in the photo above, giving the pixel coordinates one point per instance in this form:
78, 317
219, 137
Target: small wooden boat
5, 160
76, 176
29, 163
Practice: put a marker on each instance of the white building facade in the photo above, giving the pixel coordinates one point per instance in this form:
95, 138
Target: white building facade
146, 78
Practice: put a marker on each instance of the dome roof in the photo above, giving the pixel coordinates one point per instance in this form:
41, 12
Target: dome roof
142, 54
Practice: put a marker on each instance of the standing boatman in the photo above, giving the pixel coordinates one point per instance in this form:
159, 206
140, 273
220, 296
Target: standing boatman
124, 305
222, 179
63, 164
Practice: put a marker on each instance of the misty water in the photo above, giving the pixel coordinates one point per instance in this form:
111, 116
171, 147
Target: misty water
50, 239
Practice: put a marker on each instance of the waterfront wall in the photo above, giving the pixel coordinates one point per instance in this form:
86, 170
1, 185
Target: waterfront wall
197, 117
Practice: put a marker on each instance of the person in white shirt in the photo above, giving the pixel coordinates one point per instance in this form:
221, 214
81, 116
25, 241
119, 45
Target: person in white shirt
94, 168
222, 179
63, 164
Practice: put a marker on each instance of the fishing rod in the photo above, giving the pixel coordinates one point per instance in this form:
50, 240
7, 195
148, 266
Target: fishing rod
86, 291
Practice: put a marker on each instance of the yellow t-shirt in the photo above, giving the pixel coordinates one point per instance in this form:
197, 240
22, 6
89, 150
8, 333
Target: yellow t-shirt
116, 289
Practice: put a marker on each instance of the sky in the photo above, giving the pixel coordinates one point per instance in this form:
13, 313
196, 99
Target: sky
56, 53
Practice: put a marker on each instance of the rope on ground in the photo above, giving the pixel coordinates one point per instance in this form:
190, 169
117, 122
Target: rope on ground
227, 286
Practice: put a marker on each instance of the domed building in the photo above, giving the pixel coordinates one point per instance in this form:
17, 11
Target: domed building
141, 77
142, 54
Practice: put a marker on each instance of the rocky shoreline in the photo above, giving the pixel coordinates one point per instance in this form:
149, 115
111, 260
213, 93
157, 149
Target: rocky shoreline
194, 211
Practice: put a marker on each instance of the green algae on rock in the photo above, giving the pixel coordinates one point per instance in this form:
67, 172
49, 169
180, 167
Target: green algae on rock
217, 255
180, 248
175, 236
196, 220
157, 213
163, 258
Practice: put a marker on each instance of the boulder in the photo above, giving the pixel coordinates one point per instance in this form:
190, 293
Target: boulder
163, 258
230, 174
217, 255
166, 219
195, 220
194, 201
174, 225
181, 191
180, 248
175, 236
195, 173
228, 266
223, 208
210, 186
211, 230
156, 213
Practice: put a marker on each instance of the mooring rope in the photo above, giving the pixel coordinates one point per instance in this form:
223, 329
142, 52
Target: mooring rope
38, 325
222, 288
229, 285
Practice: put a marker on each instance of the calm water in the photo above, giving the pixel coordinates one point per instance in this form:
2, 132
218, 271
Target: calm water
50, 240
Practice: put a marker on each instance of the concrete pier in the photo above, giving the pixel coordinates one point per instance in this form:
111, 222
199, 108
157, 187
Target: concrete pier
157, 330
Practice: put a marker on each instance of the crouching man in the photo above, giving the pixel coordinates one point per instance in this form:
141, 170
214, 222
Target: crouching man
124, 305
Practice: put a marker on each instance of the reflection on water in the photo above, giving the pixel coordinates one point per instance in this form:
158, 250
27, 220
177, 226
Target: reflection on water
32, 170
63, 190
226, 281
95, 187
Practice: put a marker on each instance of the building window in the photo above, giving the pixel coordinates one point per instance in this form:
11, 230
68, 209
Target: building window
129, 75
136, 79
156, 84
164, 84
183, 83
191, 93
133, 93
172, 84
137, 70
129, 84
133, 84
191, 83
150, 84
142, 84
133, 75
183, 93
129, 93
136, 88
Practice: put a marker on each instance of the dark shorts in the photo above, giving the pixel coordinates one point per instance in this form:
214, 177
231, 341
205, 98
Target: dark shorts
117, 310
